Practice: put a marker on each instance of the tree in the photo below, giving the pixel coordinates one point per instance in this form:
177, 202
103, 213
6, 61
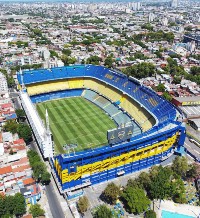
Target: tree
167, 96
108, 62
20, 114
180, 166
150, 214
178, 190
9, 203
36, 210
147, 26
135, 200
38, 170
45, 178
24, 132
111, 193
195, 70
93, 60
145, 180
193, 171
177, 80
68, 60
20, 205
160, 88
11, 126
83, 204
66, 52
2, 206
103, 212
140, 70
160, 186
53, 53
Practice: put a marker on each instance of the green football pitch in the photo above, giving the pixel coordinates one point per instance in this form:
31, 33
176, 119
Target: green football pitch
76, 121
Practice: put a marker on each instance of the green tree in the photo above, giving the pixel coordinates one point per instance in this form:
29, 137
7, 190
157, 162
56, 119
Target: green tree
147, 26
177, 80
140, 70
150, 214
24, 132
83, 204
38, 170
145, 180
195, 70
193, 171
33, 157
160, 88
135, 200
103, 212
20, 205
11, 126
167, 96
53, 53
134, 183
9, 204
93, 60
108, 62
180, 166
20, 114
66, 52
45, 178
68, 60
178, 190
160, 187
36, 210
111, 193
2, 206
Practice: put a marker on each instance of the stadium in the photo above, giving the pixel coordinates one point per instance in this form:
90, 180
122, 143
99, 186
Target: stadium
95, 124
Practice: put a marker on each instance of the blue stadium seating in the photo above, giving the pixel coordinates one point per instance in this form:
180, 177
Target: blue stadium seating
56, 95
163, 110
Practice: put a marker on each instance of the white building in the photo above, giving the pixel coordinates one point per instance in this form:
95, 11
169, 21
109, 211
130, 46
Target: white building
174, 3
136, 6
3, 84
151, 17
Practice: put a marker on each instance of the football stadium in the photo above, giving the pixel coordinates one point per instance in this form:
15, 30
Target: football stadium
95, 124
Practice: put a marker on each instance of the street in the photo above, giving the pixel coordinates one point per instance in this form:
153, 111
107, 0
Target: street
53, 201
192, 148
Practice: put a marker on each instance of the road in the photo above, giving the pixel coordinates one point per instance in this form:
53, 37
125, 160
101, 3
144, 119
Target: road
192, 148
53, 201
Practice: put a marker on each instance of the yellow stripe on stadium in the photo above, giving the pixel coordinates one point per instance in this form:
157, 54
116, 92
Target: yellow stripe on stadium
114, 162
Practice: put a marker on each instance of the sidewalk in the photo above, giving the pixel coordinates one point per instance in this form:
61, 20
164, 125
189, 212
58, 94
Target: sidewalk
44, 204
63, 202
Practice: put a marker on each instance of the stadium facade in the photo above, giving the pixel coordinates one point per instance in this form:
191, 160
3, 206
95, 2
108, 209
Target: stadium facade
161, 133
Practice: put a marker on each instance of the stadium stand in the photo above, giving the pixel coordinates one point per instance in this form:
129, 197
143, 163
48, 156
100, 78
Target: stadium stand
162, 132
75, 83
47, 87
56, 95
117, 115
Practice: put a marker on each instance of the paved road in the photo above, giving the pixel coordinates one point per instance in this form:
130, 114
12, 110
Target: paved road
192, 148
54, 203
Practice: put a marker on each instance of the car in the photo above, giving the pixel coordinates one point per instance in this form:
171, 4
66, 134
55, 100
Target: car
191, 140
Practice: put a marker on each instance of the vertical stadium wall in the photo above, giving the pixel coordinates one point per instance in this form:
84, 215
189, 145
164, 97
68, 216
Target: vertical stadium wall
81, 169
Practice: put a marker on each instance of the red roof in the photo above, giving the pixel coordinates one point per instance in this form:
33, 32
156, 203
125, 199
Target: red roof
5, 170
28, 181
19, 141
22, 161
19, 147
27, 216
6, 105
21, 168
